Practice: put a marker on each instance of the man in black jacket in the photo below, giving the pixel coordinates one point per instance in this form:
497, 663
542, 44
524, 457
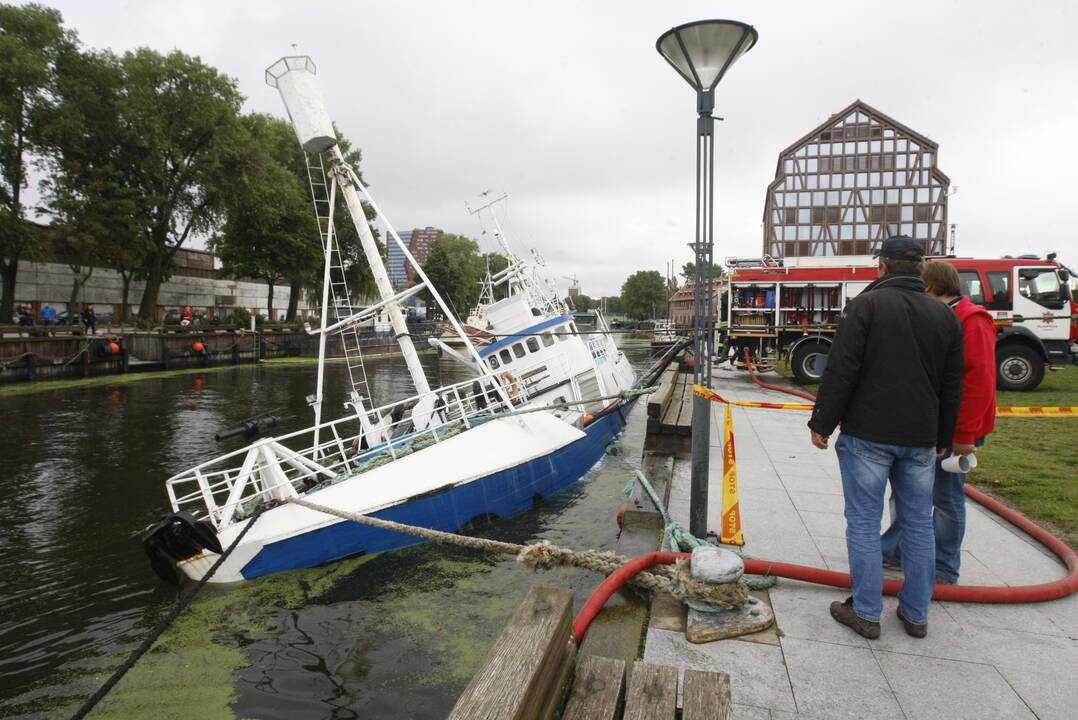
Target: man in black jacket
893, 382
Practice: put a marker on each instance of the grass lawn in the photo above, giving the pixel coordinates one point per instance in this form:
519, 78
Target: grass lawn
1031, 463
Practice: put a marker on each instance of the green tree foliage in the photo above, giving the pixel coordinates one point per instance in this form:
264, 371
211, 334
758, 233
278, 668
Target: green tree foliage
613, 306
270, 231
643, 295
96, 215
31, 39
455, 268
181, 122
582, 302
688, 271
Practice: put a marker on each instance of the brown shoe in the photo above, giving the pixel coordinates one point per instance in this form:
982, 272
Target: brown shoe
843, 612
912, 629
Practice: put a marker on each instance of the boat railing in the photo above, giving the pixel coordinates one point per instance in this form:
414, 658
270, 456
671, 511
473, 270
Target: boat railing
227, 489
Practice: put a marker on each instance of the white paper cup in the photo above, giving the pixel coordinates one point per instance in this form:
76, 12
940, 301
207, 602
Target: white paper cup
959, 463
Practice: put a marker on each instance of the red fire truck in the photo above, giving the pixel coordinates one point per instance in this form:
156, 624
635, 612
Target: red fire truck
781, 310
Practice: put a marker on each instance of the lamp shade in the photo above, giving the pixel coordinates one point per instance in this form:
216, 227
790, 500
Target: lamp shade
703, 51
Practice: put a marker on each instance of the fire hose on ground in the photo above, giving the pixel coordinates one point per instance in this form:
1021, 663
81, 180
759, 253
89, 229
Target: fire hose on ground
1011, 594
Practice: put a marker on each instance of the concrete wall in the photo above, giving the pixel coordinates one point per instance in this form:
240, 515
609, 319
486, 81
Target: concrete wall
40, 283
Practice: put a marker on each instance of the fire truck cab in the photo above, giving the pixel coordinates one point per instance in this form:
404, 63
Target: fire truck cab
791, 310
1031, 302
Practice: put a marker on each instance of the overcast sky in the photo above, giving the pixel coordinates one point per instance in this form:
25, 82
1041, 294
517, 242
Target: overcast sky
568, 108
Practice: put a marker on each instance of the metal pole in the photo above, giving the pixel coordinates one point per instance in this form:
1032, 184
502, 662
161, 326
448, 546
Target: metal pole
701, 410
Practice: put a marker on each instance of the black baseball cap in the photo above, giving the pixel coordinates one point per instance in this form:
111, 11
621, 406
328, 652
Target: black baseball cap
900, 247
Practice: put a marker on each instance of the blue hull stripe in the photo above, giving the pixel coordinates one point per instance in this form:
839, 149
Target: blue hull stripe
510, 339
504, 493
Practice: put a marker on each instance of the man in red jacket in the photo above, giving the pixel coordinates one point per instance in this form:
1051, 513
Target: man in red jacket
976, 419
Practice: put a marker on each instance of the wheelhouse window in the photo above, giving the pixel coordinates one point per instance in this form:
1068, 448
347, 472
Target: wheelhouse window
548, 339
518, 350
505, 356
493, 362
533, 345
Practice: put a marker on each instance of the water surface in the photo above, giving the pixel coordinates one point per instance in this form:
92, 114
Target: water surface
393, 635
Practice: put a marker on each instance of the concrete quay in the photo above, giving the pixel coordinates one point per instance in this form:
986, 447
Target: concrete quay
978, 661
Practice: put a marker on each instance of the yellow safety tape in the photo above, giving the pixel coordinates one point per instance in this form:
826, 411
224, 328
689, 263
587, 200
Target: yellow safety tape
1063, 411
730, 532
1031, 411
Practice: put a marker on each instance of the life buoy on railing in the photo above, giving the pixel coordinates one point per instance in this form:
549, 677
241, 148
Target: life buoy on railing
509, 382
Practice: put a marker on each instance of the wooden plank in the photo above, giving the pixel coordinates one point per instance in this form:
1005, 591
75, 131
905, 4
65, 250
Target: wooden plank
652, 693
597, 689
555, 699
684, 422
641, 511
515, 678
706, 696
658, 401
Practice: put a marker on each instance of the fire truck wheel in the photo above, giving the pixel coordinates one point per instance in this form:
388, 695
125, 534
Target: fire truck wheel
809, 361
1018, 367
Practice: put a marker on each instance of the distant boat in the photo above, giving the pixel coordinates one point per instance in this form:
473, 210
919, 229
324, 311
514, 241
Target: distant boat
663, 334
538, 412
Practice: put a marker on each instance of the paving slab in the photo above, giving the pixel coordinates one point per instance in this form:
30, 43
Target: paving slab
928, 688
838, 681
757, 673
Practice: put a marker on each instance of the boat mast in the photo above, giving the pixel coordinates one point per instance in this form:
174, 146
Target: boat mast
294, 79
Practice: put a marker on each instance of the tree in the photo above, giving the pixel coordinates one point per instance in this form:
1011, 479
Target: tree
31, 38
96, 215
688, 271
180, 121
270, 232
612, 303
643, 295
455, 268
582, 302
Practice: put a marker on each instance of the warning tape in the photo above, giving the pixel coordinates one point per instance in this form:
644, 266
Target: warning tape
730, 532
1032, 411
1064, 411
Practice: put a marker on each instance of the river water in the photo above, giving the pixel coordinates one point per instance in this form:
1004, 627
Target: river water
391, 635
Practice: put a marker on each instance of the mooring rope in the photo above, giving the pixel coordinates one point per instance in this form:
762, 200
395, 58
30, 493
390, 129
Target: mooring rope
164, 624
675, 580
683, 540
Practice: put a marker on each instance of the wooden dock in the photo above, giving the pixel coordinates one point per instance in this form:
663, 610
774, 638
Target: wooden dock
533, 673
669, 427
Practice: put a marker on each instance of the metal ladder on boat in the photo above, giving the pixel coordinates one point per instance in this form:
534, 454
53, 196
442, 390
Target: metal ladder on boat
341, 303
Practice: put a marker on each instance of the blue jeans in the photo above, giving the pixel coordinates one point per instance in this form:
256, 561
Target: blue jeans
948, 523
866, 467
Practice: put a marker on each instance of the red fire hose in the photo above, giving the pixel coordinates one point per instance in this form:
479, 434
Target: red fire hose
1041, 592
752, 373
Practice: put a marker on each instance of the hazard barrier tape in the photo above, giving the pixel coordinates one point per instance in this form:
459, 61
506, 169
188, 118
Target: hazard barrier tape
1064, 411
730, 532
1016, 411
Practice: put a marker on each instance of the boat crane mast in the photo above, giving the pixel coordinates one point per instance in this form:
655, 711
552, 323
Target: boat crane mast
520, 278
294, 78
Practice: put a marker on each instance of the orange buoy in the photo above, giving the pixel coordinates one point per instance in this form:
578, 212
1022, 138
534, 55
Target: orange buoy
198, 347
588, 419
114, 348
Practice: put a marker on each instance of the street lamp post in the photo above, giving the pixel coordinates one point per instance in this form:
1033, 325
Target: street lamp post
702, 52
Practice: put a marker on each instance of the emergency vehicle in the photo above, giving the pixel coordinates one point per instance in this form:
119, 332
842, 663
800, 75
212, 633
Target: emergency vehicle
791, 310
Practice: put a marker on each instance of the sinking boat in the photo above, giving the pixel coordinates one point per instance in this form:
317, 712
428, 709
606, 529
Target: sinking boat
542, 406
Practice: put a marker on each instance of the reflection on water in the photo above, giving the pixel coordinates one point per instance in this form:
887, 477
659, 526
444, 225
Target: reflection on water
394, 635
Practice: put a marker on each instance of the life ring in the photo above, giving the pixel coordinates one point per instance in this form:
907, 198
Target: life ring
509, 382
